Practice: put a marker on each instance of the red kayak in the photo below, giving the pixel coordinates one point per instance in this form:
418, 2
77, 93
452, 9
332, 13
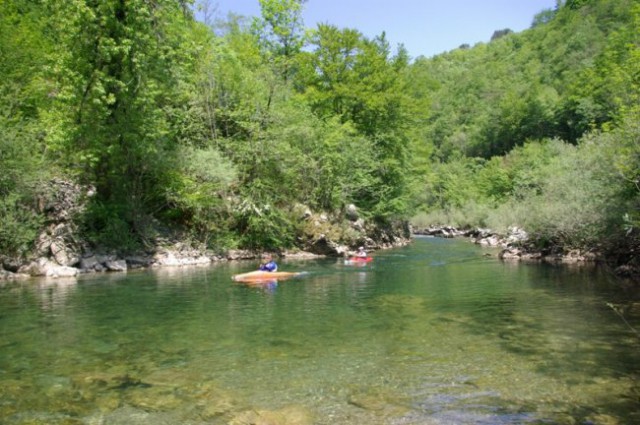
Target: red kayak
358, 260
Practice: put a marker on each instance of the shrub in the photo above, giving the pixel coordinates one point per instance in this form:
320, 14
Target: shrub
263, 227
20, 226
108, 226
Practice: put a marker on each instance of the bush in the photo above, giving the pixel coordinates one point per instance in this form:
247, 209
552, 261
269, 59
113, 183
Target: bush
197, 191
22, 170
573, 196
19, 228
471, 214
108, 226
264, 227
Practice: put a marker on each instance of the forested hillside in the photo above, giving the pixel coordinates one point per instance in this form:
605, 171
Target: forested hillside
540, 130
225, 131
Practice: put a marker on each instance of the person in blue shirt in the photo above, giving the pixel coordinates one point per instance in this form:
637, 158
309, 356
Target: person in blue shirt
268, 265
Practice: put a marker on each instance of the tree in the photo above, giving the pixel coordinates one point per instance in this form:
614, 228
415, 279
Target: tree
543, 17
501, 33
24, 94
121, 78
327, 73
359, 82
281, 31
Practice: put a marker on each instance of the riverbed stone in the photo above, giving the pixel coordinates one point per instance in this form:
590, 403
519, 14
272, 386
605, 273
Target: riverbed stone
215, 404
377, 401
358, 225
602, 419
107, 401
129, 415
291, 415
153, 398
510, 254
490, 241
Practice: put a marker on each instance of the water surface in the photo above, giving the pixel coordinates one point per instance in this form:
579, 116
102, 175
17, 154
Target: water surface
433, 333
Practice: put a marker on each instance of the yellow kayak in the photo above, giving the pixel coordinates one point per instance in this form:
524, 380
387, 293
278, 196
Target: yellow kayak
259, 275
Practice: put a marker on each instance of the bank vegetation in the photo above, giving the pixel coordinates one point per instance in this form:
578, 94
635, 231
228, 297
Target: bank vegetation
221, 131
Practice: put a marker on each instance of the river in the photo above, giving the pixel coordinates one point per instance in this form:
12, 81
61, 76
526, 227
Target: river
437, 332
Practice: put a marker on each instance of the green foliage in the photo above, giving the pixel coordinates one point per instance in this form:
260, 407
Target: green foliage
494, 181
111, 226
575, 4
553, 114
23, 171
561, 79
470, 214
280, 28
501, 33
528, 166
207, 166
579, 197
119, 76
23, 162
219, 133
358, 81
260, 225
573, 196
20, 226
197, 194
232, 87
626, 161
543, 17
610, 86
451, 185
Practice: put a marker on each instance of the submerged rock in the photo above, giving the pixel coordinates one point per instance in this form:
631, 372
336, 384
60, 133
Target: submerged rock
292, 415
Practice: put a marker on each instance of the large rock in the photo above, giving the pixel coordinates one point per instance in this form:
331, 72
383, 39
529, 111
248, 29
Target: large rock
325, 246
516, 236
351, 212
116, 266
493, 240
7, 275
91, 264
64, 254
45, 267
240, 254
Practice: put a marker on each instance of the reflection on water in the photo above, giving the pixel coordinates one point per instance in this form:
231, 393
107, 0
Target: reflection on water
433, 333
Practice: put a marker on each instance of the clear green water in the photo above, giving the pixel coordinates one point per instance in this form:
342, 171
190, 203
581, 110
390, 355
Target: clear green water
432, 333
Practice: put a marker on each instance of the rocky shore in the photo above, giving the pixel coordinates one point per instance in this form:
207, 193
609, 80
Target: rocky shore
58, 260
61, 252
515, 245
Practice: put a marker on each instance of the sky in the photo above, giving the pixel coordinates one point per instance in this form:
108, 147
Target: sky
425, 27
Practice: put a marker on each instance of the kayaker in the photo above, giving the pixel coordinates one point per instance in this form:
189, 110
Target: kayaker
361, 253
268, 265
